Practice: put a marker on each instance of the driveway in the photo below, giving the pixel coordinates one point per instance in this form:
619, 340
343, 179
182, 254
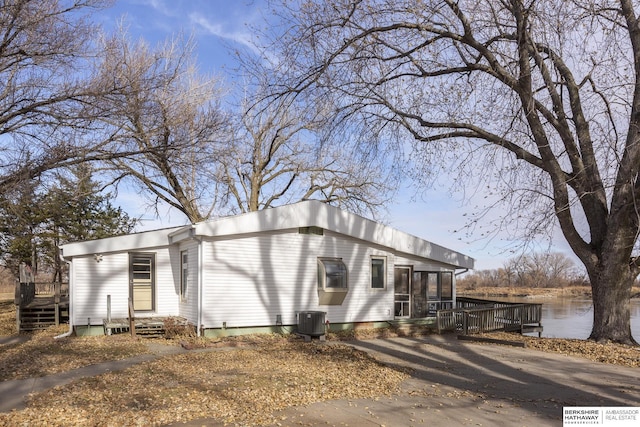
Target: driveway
464, 383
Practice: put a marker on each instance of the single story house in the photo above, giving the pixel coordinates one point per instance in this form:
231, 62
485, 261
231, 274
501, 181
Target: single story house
254, 272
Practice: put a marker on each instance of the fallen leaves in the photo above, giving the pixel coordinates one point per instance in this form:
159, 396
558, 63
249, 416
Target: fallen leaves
41, 355
239, 385
616, 354
7, 317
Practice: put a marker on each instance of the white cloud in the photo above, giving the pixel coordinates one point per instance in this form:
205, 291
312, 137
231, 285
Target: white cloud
217, 29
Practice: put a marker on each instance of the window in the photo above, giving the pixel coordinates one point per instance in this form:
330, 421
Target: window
332, 274
432, 286
332, 281
439, 284
378, 273
446, 282
184, 276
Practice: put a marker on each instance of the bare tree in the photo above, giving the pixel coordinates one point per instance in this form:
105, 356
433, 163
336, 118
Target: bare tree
282, 152
541, 270
44, 51
163, 121
546, 92
537, 270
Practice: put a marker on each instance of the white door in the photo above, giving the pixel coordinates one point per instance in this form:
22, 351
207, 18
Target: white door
141, 284
402, 291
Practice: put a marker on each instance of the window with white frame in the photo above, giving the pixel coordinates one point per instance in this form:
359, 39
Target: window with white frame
378, 273
184, 274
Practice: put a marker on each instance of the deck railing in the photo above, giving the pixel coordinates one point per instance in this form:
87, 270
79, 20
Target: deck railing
25, 293
479, 316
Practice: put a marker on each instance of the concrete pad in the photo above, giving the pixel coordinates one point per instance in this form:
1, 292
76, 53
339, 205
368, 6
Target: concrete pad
14, 339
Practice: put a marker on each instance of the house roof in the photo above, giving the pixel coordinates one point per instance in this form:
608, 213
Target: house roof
303, 214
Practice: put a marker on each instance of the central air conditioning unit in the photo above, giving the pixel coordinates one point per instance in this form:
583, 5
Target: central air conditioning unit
311, 323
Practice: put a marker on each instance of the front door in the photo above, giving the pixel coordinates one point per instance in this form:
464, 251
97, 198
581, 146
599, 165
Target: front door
141, 281
419, 306
402, 291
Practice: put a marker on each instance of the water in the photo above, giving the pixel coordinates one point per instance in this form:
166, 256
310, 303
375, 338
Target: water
573, 317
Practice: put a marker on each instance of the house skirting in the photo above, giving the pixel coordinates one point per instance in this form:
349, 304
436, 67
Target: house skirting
88, 330
94, 330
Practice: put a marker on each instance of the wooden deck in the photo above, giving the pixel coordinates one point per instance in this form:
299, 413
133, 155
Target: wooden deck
47, 301
477, 316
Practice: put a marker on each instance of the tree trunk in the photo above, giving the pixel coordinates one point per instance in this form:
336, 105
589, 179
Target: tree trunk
611, 293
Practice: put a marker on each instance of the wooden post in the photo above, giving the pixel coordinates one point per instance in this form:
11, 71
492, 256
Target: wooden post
18, 318
17, 299
108, 315
56, 301
465, 322
132, 321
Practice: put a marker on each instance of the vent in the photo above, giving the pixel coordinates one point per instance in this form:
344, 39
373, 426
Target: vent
319, 231
311, 323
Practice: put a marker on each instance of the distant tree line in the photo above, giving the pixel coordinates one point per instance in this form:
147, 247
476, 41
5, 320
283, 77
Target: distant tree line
537, 270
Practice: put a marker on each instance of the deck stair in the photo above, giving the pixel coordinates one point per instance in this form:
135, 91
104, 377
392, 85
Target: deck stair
40, 314
36, 307
36, 318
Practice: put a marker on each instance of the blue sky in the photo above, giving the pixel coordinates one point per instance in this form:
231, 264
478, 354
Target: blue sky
219, 27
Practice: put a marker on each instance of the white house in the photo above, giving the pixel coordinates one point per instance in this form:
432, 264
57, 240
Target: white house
255, 271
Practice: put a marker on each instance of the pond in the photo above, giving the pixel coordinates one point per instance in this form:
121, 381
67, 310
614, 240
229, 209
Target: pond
570, 317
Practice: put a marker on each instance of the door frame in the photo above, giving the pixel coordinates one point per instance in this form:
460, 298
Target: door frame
400, 314
151, 256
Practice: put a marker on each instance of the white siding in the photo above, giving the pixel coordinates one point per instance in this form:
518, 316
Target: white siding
93, 281
189, 307
252, 279
167, 281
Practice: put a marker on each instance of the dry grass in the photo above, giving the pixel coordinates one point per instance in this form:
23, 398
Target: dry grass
41, 355
7, 316
244, 385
